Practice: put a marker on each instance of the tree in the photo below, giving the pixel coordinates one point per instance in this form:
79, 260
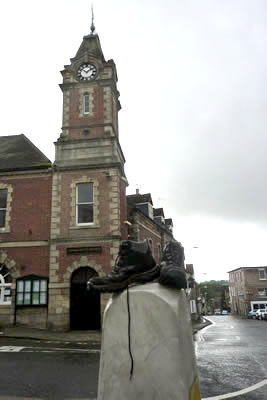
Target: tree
215, 294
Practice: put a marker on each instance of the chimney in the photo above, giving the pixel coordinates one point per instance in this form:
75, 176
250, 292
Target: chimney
137, 191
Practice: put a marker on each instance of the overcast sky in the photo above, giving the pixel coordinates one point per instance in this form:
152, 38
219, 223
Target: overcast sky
192, 78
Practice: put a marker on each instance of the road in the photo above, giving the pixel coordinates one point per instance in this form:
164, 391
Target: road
232, 359
35, 369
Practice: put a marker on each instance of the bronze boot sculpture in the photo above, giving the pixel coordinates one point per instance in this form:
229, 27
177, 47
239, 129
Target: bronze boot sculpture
134, 264
172, 271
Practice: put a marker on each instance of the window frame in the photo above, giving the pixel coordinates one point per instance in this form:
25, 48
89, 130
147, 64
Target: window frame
264, 273
86, 103
32, 279
4, 209
84, 203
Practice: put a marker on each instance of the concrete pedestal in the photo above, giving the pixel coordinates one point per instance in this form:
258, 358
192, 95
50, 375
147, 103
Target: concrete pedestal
161, 344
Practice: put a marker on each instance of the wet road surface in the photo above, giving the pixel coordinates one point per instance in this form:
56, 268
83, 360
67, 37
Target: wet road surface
232, 357
53, 370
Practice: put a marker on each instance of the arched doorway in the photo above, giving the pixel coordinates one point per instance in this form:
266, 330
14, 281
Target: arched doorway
84, 304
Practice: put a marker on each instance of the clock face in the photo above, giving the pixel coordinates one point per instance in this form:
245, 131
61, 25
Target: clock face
86, 72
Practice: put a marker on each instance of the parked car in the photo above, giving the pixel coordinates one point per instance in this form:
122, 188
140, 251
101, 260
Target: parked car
252, 314
224, 312
217, 312
260, 313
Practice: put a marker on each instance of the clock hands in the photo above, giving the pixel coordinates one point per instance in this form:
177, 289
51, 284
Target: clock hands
87, 71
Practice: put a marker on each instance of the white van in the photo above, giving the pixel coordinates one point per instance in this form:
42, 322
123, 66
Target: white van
261, 312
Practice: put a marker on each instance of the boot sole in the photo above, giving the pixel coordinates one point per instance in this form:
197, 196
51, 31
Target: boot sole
142, 278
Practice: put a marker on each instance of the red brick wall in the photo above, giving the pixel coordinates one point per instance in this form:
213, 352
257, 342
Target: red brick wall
30, 209
76, 119
102, 259
149, 231
104, 210
30, 260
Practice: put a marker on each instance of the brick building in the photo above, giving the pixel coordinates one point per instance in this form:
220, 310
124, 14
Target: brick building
247, 289
62, 223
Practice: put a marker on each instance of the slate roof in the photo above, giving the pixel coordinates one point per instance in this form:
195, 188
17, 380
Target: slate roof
18, 153
139, 198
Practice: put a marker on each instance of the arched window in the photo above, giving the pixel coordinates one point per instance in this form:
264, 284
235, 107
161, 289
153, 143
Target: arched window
5, 285
86, 104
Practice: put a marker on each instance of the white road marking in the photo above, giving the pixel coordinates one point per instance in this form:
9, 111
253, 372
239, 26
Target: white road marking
239, 392
60, 349
199, 335
229, 339
32, 398
8, 349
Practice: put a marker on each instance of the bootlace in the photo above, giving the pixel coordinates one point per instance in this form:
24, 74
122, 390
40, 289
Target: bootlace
120, 260
129, 333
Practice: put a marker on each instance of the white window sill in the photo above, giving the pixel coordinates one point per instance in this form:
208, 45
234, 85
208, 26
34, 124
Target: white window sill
4, 230
89, 226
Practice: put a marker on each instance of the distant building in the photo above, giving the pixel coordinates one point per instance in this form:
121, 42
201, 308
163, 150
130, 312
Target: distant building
247, 289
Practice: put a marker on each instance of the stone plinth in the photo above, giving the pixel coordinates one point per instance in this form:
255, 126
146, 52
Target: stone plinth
161, 345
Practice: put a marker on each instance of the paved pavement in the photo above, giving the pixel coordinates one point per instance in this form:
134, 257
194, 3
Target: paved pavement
90, 337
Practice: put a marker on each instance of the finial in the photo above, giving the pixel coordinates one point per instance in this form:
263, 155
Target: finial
92, 24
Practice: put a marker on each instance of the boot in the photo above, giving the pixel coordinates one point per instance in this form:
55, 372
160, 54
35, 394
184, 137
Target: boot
172, 271
134, 264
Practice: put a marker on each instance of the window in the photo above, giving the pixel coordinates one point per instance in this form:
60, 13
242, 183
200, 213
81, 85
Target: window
3, 206
5, 285
86, 108
84, 203
86, 132
261, 273
31, 291
262, 292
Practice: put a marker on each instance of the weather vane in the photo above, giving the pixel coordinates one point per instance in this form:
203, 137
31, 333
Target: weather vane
92, 24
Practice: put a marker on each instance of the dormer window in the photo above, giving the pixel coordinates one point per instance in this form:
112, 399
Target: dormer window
159, 219
146, 208
86, 103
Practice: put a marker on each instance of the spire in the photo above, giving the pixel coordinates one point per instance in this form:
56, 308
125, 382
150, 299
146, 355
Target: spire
92, 27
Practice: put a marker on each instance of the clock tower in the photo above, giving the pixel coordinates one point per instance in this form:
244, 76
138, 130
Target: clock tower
90, 134
88, 190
